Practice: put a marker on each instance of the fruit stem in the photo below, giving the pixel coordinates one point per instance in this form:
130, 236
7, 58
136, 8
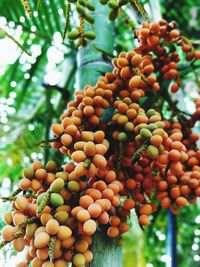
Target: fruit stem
27, 8
140, 8
137, 154
15, 41
16, 192
119, 158
17, 235
52, 247
12, 197
166, 170
48, 141
44, 202
26, 221
68, 9
137, 72
81, 31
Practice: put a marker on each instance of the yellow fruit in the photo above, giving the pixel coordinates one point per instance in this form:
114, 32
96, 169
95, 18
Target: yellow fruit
41, 240
52, 227
64, 232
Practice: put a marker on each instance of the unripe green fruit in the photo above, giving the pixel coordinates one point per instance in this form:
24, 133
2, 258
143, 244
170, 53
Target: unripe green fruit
79, 259
152, 126
90, 35
80, 9
122, 137
90, 6
73, 186
28, 173
86, 163
85, 42
142, 125
40, 197
51, 166
61, 216
56, 199
141, 112
57, 185
104, 2
73, 35
82, 2
152, 151
160, 124
138, 138
145, 133
150, 112
112, 4
89, 18
161, 148
113, 14
123, 2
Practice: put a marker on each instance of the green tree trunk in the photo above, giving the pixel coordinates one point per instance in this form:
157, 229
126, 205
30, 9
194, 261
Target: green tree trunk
91, 65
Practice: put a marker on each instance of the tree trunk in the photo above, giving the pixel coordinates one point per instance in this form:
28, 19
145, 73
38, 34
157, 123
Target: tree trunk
171, 240
91, 65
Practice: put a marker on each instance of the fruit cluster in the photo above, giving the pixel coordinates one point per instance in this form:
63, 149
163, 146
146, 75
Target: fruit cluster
84, 9
155, 39
42, 220
120, 156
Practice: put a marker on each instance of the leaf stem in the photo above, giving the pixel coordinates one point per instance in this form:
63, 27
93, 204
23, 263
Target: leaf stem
15, 41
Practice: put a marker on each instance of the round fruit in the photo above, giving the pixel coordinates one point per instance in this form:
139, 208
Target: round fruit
56, 199
57, 185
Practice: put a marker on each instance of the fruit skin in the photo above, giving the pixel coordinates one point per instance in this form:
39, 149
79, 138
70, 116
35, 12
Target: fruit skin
112, 4
144, 220
56, 199
78, 259
73, 186
89, 227
21, 203
52, 227
61, 216
51, 166
73, 35
28, 173
145, 133
41, 240
152, 151
64, 232
8, 217
8, 232
113, 232
18, 244
90, 35
57, 185
122, 137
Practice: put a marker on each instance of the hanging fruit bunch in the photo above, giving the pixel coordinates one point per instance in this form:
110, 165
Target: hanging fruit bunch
85, 11
130, 158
